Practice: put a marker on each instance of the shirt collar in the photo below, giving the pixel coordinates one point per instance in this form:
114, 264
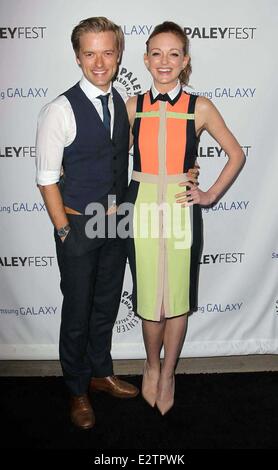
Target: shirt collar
172, 93
91, 91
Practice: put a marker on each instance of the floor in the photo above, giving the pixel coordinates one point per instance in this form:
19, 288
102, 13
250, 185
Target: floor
202, 365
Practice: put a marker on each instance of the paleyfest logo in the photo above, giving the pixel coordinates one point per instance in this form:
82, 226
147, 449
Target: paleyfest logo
17, 151
220, 32
218, 152
22, 32
26, 261
222, 258
128, 80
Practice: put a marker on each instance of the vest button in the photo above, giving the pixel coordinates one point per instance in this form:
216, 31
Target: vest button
115, 171
114, 158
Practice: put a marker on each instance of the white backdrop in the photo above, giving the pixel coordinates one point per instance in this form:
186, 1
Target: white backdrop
234, 59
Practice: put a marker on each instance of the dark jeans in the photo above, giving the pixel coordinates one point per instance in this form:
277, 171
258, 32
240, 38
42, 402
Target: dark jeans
92, 272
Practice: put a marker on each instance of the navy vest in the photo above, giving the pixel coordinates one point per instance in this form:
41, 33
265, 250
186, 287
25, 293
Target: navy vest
94, 165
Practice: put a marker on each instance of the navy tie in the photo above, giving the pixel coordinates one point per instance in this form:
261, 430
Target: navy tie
105, 109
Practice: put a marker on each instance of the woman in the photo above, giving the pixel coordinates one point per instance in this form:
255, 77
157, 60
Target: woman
166, 123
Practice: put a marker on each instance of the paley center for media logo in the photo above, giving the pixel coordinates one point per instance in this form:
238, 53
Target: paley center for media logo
22, 32
26, 261
220, 307
128, 81
31, 92
29, 310
126, 319
20, 207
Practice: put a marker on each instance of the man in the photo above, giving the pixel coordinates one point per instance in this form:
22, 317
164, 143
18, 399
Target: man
85, 132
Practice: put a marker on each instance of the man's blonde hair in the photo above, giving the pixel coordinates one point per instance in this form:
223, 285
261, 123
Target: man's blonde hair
97, 24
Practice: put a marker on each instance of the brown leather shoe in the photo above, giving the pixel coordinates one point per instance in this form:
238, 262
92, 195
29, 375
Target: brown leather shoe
81, 412
113, 385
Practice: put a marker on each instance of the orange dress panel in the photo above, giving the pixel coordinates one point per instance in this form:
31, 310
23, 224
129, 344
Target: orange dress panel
176, 137
148, 138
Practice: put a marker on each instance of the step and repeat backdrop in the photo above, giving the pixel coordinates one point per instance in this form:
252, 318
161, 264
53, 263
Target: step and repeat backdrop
234, 63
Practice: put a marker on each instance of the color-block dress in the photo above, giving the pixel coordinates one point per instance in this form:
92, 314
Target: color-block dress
164, 250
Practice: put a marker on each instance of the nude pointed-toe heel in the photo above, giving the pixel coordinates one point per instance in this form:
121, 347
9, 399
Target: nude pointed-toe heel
165, 405
149, 387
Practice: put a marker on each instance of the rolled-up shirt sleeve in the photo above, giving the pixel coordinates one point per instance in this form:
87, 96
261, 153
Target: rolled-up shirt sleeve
50, 142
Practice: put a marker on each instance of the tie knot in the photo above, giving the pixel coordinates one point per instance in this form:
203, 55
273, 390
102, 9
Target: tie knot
104, 99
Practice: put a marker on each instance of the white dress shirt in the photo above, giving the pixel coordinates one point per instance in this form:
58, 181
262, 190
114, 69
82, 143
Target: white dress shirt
57, 130
172, 94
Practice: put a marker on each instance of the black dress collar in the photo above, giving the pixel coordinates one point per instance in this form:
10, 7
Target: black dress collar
165, 97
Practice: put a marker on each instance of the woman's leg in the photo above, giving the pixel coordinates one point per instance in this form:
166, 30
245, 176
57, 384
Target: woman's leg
173, 339
153, 333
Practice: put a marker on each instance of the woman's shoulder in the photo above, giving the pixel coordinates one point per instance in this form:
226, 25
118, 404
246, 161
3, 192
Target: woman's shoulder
203, 103
132, 100
131, 105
